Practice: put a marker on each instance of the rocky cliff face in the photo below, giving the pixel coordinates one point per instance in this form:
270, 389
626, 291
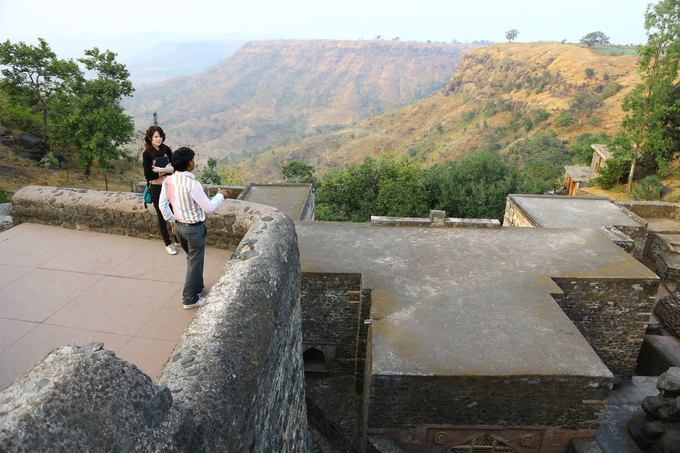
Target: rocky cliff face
270, 92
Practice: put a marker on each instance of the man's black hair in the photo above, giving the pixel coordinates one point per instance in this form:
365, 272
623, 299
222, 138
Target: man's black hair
181, 158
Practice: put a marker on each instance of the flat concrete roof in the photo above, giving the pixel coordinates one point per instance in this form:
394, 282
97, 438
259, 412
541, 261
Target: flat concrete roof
555, 211
580, 173
289, 198
447, 301
602, 150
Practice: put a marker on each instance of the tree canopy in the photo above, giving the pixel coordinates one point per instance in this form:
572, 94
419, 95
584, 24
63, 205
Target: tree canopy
511, 35
297, 171
32, 75
645, 128
595, 38
80, 107
475, 186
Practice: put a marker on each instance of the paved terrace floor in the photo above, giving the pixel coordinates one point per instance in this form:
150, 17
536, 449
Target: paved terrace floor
60, 286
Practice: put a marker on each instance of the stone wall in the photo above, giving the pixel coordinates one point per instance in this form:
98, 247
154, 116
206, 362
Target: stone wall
652, 209
514, 215
436, 219
87, 399
5, 216
658, 354
612, 315
637, 233
668, 312
334, 308
544, 411
124, 213
237, 369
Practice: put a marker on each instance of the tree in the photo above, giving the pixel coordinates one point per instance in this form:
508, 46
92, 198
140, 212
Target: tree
583, 150
33, 74
650, 103
542, 156
388, 186
511, 35
595, 38
477, 185
210, 175
297, 171
585, 102
88, 115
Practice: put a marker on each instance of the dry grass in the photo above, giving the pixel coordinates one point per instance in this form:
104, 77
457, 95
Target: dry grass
17, 172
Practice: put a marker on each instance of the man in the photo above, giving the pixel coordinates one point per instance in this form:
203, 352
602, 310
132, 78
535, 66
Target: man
189, 206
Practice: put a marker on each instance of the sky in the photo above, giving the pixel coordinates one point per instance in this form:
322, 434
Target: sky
129, 27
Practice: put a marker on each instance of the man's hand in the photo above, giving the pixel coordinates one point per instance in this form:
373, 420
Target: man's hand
224, 192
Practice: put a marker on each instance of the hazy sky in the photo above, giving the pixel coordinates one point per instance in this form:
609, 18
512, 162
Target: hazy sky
125, 26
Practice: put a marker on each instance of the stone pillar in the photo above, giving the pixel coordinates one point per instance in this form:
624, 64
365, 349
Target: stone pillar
438, 218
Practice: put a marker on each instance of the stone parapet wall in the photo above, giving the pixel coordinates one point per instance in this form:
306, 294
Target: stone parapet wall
637, 233
237, 368
87, 399
652, 209
123, 213
612, 315
450, 222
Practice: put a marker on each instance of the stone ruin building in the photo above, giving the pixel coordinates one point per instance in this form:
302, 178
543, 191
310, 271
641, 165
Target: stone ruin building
415, 335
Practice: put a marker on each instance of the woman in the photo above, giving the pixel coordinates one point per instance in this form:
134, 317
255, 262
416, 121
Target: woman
157, 160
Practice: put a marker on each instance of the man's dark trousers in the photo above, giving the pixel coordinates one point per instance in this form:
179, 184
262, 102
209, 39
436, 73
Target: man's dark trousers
192, 239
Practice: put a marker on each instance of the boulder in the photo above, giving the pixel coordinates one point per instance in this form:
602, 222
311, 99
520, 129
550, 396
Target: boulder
28, 141
670, 441
669, 383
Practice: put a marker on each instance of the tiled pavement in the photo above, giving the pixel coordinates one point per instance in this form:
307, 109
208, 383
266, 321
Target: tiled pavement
60, 286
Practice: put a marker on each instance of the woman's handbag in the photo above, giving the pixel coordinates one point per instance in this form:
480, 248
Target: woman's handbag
147, 196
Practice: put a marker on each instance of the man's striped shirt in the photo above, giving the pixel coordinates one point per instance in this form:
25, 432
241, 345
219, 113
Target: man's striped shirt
189, 201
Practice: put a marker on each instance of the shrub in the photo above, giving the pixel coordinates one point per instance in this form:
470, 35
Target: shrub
590, 73
542, 115
610, 90
564, 119
49, 161
649, 188
5, 197
469, 116
611, 173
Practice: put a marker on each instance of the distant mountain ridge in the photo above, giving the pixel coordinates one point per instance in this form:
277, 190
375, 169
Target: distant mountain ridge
272, 92
173, 59
498, 95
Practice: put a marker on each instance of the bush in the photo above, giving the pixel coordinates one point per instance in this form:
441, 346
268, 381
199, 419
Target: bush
611, 173
649, 188
611, 90
49, 161
542, 115
564, 119
5, 197
590, 73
